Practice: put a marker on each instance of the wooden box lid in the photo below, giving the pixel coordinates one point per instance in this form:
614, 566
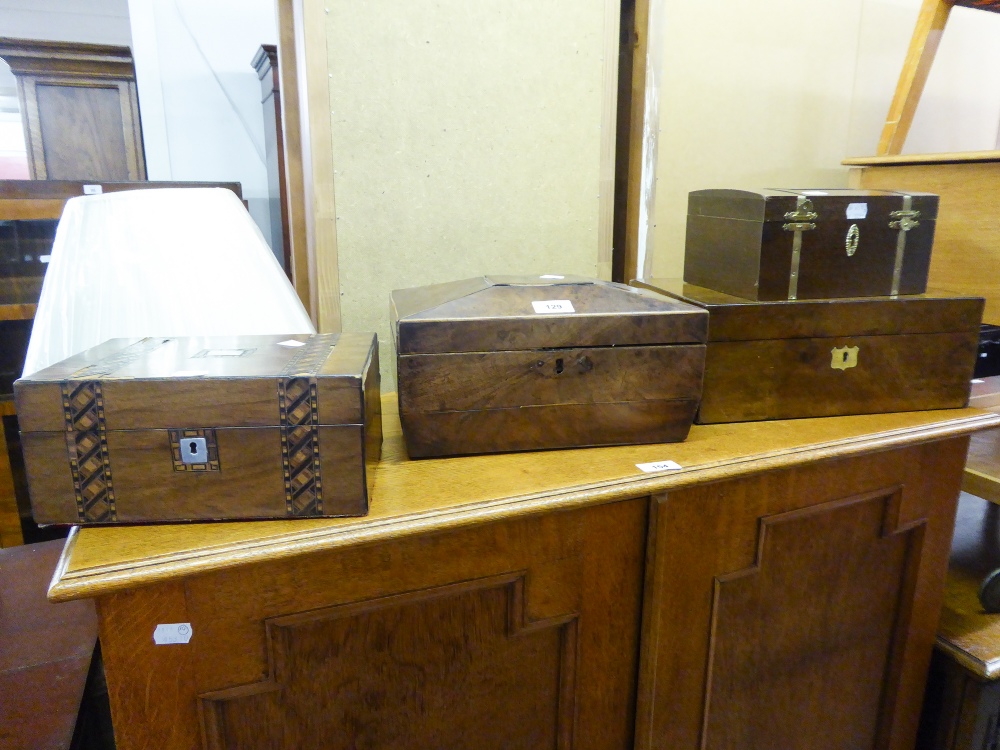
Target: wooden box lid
180, 382
737, 319
829, 204
496, 313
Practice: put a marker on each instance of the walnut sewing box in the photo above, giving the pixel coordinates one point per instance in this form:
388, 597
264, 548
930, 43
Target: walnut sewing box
499, 363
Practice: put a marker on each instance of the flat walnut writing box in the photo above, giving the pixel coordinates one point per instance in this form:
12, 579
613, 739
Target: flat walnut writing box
170, 429
502, 363
825, 358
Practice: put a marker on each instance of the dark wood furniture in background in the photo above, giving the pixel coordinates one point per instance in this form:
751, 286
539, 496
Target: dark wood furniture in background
962, 707
45, 655
265, 62
781, 590
79, 108
29, 213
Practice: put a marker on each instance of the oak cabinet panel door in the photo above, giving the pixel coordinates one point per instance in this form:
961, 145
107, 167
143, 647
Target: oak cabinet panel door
797, 609
517, 634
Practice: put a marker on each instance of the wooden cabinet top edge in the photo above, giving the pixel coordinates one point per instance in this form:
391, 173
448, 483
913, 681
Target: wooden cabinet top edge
416, 497
900, 160
265, 59
44, 48
984, 670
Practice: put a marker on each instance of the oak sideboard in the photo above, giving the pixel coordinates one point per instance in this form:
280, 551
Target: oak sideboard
781, 589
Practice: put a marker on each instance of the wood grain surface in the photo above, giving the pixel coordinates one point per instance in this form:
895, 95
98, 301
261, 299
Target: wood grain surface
769, 360
965, 259
926, 37
737, 243
417, 497
810, 601
522, 633
95, 146
80, 109
142, 392
968, 635
496, 314
490, 402
738, 319
46, 652
953, 157
492, 380
11, 534
547, 427
237, 402
781, 379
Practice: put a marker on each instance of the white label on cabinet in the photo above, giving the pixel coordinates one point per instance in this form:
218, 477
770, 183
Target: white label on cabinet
44, 258
92, 190
291, 342
658, 466
551, 276
167, 633
857, 211
553, 306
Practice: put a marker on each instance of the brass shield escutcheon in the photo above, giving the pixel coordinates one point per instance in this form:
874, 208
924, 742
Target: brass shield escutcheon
844, 358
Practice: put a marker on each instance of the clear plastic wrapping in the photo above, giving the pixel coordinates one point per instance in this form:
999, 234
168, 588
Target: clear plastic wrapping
160, 262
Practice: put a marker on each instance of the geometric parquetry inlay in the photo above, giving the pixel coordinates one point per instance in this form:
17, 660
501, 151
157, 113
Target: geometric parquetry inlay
298, 412
87, 447
456, 666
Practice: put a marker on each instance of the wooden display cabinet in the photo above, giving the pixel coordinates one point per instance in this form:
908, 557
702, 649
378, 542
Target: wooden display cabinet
780, 590
79, 109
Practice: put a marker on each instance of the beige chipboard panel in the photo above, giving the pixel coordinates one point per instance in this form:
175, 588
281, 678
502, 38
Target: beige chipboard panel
467, 139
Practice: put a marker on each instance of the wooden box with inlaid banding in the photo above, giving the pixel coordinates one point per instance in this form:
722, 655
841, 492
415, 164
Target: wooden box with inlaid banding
170, 429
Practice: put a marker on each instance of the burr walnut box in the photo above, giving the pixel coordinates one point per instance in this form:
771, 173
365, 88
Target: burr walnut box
823, 358
809, 244
170, 429
496, 364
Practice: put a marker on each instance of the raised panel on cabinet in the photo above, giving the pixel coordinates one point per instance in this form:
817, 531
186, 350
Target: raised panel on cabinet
518, 634
94, 144
809, 599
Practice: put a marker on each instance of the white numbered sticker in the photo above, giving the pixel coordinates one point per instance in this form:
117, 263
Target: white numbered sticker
291, 342
553, 306
172, 632
658, 466
857, 211
92, 190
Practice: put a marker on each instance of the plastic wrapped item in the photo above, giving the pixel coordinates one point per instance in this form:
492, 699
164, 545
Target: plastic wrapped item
162, 262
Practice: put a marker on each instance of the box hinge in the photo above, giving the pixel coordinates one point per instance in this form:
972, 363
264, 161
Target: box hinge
800, 220
904, 221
